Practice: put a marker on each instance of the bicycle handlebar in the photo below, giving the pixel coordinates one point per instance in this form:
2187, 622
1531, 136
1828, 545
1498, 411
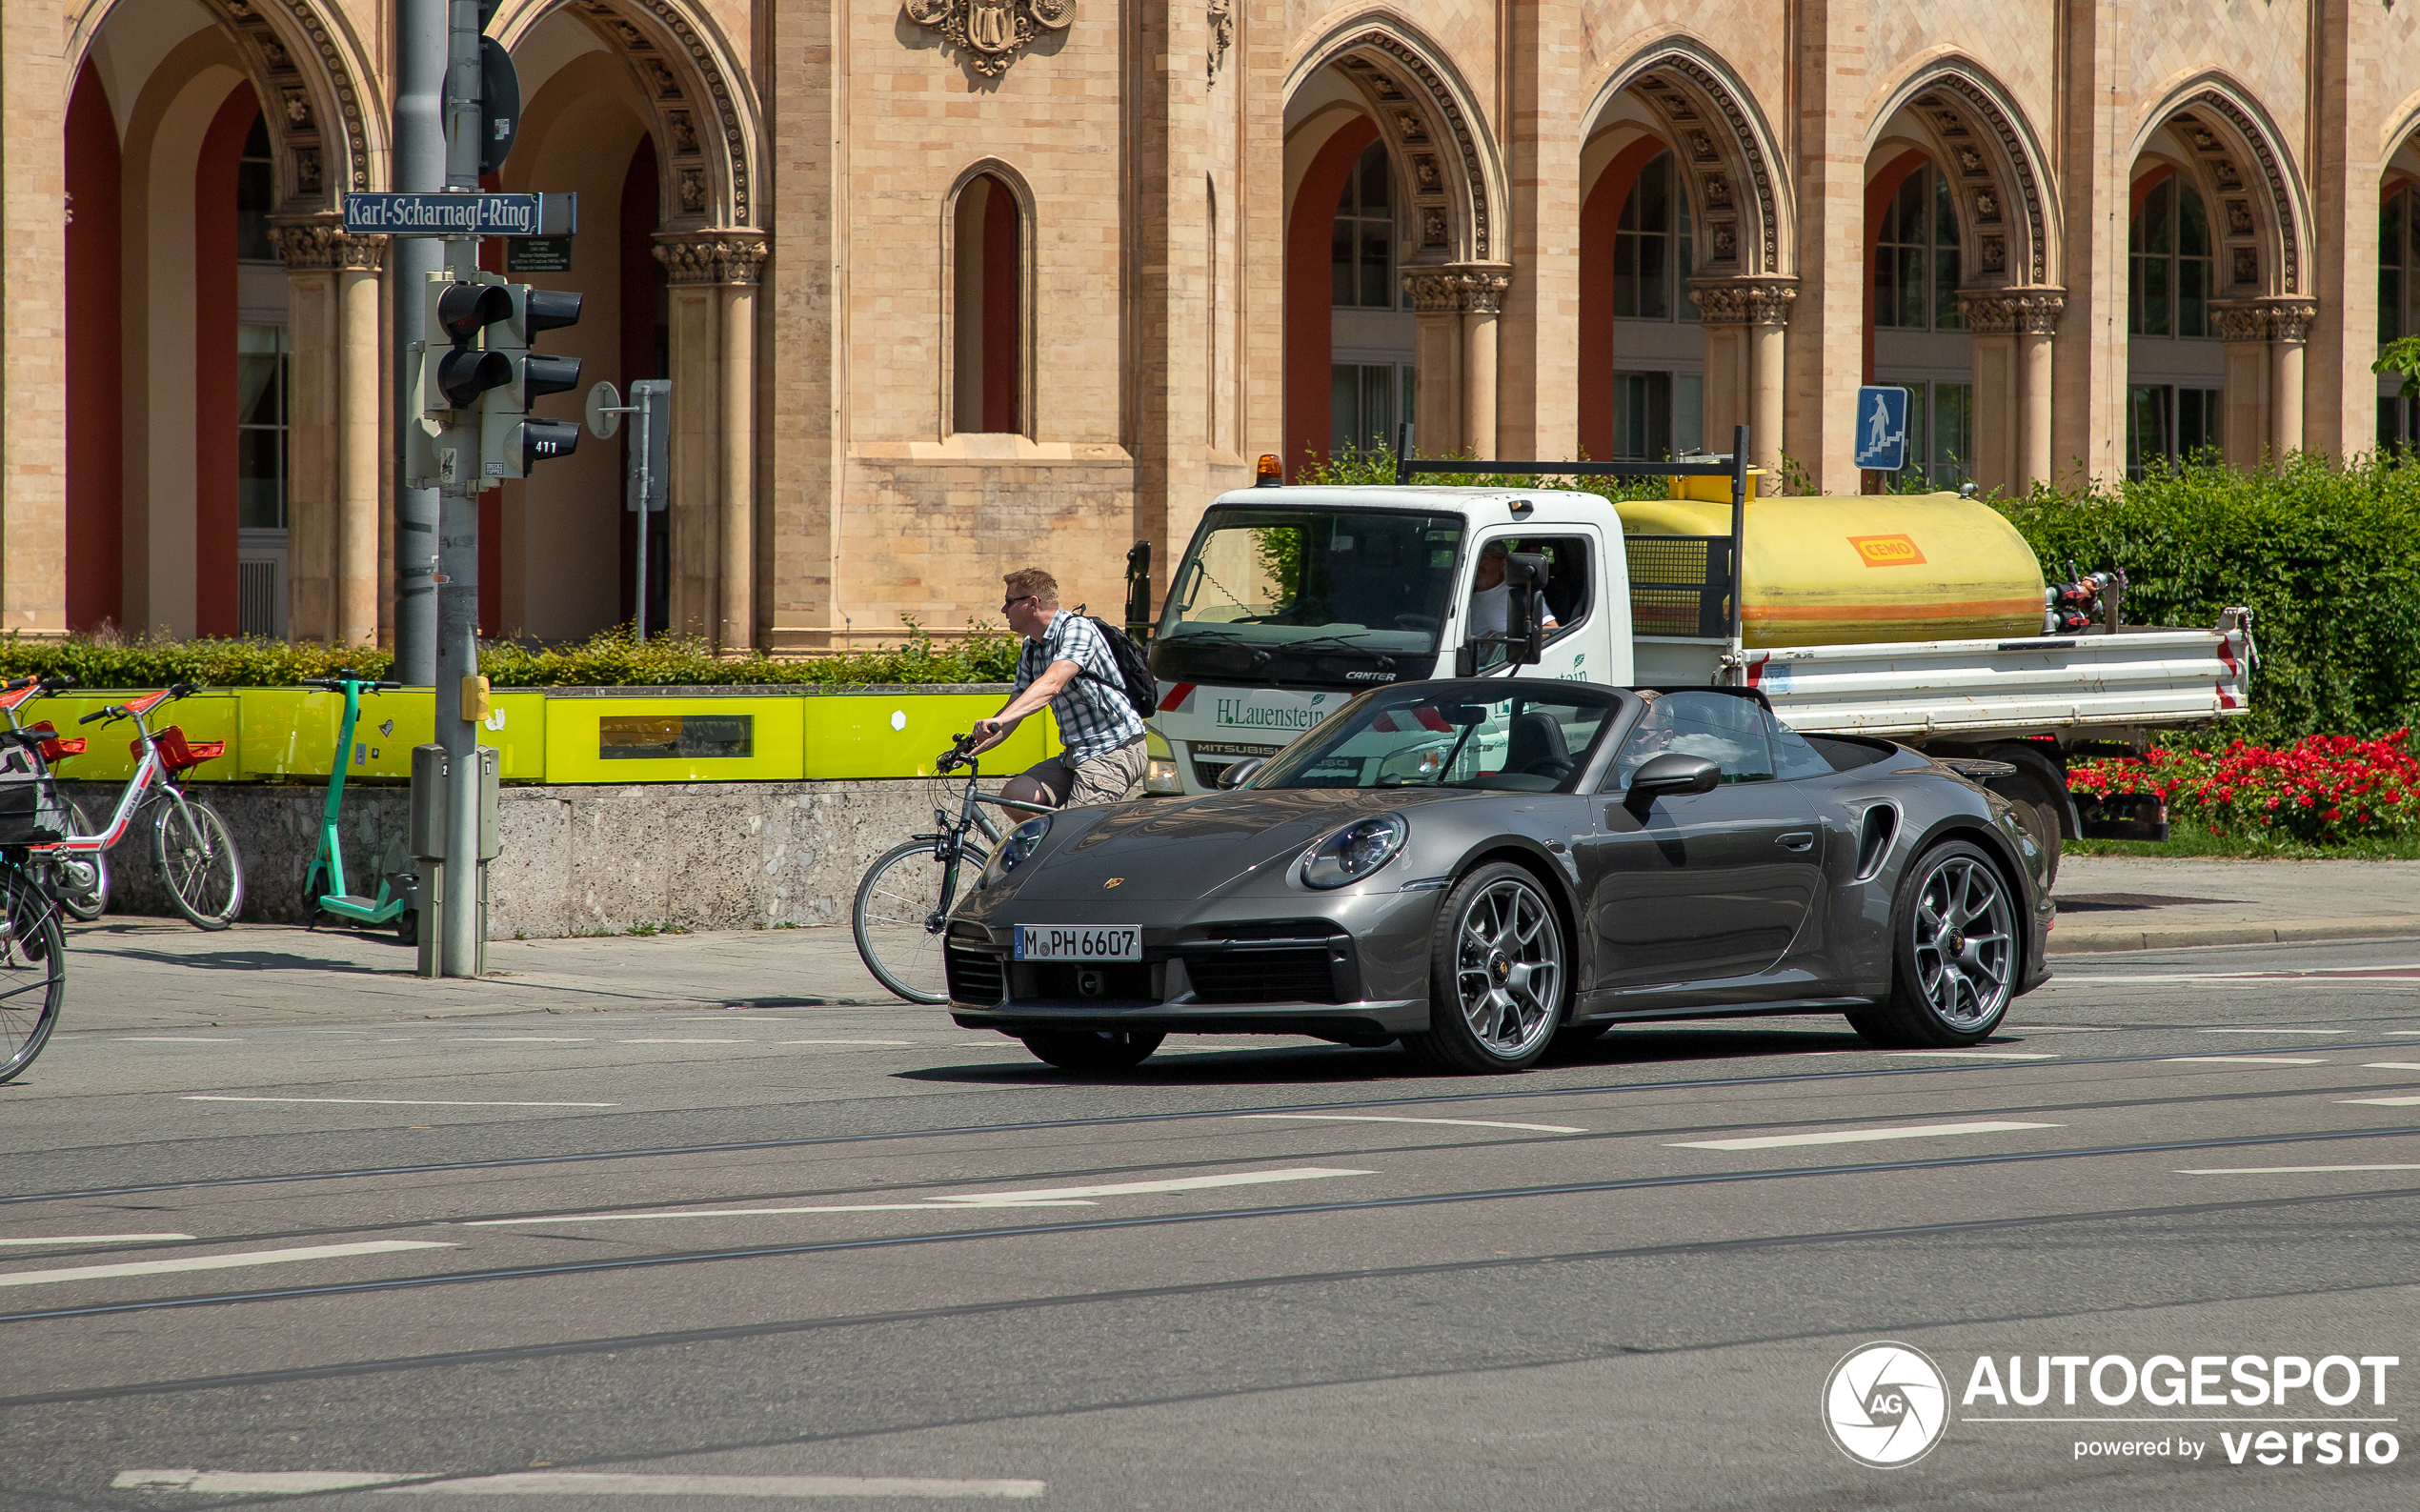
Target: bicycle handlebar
957, 755
57, 681
112, 712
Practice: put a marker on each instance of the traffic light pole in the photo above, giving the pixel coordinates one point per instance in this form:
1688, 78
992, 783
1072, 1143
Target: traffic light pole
420, 159
457, 606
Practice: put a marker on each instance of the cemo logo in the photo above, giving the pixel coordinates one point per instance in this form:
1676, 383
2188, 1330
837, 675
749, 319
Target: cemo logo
1886, 1404
1888, 551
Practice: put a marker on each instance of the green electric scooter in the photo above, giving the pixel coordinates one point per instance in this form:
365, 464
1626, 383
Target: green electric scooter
398, 899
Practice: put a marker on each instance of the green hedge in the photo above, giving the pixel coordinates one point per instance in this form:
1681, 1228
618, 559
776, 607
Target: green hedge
608, 659
2327, 555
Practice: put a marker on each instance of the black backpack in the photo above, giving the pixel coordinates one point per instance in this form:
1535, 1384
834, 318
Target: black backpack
1141, 689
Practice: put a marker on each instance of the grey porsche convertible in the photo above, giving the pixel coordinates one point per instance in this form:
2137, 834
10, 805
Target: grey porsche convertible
1477, 866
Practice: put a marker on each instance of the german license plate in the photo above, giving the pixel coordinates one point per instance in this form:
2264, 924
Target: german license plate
1069, 942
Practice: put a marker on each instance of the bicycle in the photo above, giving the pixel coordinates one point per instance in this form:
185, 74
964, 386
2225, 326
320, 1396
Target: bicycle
81, 883
903, 903
195, 853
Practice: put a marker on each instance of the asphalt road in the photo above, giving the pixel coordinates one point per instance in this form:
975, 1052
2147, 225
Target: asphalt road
850, 1256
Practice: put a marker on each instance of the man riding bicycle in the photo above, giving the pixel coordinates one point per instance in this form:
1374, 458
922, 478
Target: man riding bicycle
1067, 665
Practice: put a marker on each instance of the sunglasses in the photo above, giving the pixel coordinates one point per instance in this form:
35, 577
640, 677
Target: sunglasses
1018, 599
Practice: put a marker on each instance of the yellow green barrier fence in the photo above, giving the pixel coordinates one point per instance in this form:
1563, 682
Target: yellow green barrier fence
567, 736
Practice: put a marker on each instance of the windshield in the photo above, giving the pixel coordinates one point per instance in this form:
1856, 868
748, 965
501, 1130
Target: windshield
1308, 597
1444, 736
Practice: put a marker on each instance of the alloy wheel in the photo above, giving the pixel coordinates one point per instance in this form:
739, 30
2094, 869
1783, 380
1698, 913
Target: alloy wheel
1508, 967
1964, 941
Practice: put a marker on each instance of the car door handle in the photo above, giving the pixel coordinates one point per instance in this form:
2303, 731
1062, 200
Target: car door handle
1797, 841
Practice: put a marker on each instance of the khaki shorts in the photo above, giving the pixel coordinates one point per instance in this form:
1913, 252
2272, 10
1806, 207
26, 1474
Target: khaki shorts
1105, 778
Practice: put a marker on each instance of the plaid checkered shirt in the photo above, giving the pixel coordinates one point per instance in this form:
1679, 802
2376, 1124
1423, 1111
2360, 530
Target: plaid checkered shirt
1092, 715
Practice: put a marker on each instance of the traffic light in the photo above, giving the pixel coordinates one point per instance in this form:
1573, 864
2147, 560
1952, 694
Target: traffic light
453, 370
511, 439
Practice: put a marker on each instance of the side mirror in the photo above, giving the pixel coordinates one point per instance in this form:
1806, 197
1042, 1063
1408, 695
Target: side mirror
1673, 772
1525, 572
1239, 773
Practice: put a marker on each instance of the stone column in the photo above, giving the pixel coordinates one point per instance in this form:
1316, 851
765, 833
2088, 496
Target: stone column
714, 276
361, 331
1436, 298
1746, 324
2012, 331
2264, 397
334, 461
1483, 286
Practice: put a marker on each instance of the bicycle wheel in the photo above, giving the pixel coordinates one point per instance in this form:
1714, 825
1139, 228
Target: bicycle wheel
900, 918
197, 860
33, 969
79, 879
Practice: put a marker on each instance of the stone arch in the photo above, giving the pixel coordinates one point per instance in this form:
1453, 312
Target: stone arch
2260, 215
703, 110
323, 100
2402, 126
1432, 126
1729, 155
1028, 291
2008, 211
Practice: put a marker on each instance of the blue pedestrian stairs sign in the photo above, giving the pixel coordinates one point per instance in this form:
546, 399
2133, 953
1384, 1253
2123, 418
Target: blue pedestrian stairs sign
1882, 428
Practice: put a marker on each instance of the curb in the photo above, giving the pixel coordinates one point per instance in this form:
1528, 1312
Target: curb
2093, 942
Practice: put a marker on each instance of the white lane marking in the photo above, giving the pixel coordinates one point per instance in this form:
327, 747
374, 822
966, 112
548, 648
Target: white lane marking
2290, 1170
522, 1039
1979, 1054
680, 1042
2390, 1065
95, 1238
2384, 1102
1373, 1118
2066, 981
1036, 1196
572, 1483
174, 1040
2272, 1031
844, 1041
399, 1102
215, 1262
2243, 1061
1916, 1131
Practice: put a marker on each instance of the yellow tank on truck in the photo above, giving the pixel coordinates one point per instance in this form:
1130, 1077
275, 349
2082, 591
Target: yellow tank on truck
1877, 568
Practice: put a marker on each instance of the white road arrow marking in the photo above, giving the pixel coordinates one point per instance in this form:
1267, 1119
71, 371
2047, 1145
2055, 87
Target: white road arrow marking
1923, 1131
214, 1263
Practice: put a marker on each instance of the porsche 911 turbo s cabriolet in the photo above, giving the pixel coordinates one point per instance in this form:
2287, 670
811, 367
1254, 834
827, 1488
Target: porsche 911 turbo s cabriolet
1475, 866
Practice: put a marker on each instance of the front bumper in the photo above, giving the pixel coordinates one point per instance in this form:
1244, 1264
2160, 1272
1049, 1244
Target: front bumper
1307, 975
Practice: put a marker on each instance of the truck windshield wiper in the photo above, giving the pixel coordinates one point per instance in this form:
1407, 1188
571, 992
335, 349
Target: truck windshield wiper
1341, 643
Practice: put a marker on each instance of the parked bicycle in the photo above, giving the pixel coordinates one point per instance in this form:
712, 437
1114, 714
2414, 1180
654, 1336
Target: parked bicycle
190, 843
79, 882
32, 942
903, 904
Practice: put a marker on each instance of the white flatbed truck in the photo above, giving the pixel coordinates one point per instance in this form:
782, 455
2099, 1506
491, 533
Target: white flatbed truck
1289, 600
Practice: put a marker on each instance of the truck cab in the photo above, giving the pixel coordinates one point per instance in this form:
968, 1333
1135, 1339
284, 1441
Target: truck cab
1290, 600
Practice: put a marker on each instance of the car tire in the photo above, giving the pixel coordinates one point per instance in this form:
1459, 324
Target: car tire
1498, 978
1093, 1049
1950, 983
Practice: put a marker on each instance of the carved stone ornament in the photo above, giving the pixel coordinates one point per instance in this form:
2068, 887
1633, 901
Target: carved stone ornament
2284, 320
991, 32
321, 243
1464, 289
1744, 301
1221, 32
713, 256
2013, 312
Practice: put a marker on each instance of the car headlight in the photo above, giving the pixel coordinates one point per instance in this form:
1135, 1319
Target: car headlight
1354, 851
1022, 842
1160, 776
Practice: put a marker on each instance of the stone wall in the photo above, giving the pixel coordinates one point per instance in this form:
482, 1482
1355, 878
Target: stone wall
578, 861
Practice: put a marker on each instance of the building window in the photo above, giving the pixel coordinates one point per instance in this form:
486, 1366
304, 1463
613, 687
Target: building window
2168, 264
2167, 423
1653, 248
255, 197
988, 341
1656, 415
261, 420
2398, 251
1366, 400
1941, 434
1361, 252
1916, 257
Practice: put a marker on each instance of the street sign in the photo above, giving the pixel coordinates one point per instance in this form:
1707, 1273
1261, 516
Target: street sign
538, 254
1882, 428
394, 215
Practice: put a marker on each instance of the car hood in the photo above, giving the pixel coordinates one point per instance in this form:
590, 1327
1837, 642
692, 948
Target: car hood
1160, 849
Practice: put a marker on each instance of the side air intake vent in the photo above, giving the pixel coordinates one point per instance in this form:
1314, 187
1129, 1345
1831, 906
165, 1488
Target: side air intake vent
1874, 836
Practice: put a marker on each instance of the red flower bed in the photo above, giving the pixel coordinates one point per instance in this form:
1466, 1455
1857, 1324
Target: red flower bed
2322, 789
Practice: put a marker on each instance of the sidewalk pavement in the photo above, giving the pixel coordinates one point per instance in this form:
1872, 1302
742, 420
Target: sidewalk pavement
2124, 903
130, 973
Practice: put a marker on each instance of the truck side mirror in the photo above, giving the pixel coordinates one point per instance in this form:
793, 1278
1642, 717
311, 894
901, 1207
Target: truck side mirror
1525, 576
